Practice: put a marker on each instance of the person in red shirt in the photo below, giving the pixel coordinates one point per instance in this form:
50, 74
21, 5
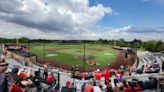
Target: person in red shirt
98, 75
139, 86
16, 88
88, 88
130, 88
107, 76
50, 78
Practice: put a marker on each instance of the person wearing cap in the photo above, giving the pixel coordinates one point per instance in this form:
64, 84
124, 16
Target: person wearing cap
68, 88
68, 84
3, 66
4, 78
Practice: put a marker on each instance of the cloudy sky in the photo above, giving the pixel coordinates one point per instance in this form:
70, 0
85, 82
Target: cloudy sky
82, 19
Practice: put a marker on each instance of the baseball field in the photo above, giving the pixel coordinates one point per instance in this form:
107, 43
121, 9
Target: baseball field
100, 55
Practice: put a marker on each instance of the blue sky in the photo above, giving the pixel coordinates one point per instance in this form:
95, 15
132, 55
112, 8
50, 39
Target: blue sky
82, 19
133, 12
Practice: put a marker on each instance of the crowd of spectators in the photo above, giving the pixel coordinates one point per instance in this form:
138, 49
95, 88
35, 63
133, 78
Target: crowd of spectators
92, 82
20, 80
149, 68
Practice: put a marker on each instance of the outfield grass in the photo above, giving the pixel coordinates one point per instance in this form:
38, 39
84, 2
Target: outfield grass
69, 54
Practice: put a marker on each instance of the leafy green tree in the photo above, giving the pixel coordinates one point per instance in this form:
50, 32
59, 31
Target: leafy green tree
23, 40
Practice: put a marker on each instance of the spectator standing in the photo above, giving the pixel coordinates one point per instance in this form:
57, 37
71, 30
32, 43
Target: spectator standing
37, 73
107, 76
45, 74
98, 75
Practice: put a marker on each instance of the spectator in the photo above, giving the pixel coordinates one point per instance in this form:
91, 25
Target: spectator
22, 73
45, 74
36, 81
112, 72
89, 87
163, 66
107, 76
14, 74
50, 78
37, 73
139, 86
77, 68
67, 87
109, 88
130, 87
73, 70
119, 78
16, 88
151, 83
96, 88
83, 85
24, 83
98, 75
4, 87
6, 80
26, 64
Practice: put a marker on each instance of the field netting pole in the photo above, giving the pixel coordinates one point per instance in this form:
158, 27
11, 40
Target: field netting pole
1, 51
44, 50
58, 85
29, 50
84, 58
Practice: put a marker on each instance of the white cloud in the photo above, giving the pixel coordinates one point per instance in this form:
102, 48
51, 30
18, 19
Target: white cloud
128, 32
52, 15
159, 2
12, 30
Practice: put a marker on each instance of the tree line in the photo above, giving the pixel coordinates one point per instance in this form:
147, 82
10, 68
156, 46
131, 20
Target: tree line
153, 45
